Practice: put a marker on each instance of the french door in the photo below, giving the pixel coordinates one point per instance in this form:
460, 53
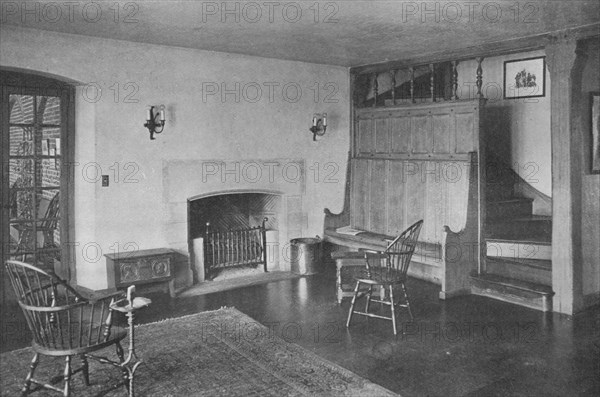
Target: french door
36, 127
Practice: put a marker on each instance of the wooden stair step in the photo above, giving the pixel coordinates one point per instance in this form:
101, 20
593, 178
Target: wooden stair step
514, 233
533, 248
508, 208
531, 270
523, 293
525, 235
499, 190
520, 228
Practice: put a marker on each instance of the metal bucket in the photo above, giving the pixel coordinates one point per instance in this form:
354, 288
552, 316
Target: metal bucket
305, 255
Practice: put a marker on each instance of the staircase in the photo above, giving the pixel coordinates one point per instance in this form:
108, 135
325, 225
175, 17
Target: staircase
518, 263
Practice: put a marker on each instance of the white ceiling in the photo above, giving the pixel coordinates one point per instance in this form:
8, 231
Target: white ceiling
346, 33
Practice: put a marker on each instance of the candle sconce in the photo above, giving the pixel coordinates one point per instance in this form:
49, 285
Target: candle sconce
155, 126
319, 125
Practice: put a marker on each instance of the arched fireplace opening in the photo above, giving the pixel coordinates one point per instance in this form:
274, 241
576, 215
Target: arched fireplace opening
234, 234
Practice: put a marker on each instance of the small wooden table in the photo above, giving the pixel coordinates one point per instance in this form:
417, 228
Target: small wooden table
141, 267
348, 264
129, 306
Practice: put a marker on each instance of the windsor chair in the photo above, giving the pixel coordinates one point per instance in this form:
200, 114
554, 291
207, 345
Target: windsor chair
386, 269
64, 323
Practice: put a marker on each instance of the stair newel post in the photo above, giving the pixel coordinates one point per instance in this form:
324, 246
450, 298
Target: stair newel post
432, 82
454, 95
411, 71
479, 77
375, 89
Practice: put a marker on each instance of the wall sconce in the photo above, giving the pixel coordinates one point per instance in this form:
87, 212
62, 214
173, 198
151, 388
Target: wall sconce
152, 124
319, 125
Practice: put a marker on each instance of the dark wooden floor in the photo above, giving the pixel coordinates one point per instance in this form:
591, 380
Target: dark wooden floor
469, 346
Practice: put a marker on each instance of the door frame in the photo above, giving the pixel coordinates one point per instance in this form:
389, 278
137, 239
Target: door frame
27, 83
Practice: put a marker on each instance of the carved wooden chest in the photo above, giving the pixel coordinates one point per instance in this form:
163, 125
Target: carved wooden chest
141, 267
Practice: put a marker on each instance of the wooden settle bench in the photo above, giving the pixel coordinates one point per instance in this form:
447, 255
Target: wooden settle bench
411, 162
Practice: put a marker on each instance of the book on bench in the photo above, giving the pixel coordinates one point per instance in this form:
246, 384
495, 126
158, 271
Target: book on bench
348, 230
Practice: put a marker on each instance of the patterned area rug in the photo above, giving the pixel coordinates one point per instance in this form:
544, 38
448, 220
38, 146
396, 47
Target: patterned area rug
222, 352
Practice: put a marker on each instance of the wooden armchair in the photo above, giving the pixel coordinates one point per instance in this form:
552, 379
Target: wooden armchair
387, 269
64, 323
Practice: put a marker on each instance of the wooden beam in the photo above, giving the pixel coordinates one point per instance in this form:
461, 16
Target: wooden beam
486, 50
566, 63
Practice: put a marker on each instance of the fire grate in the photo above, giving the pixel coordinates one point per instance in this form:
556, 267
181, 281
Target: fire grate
234, 248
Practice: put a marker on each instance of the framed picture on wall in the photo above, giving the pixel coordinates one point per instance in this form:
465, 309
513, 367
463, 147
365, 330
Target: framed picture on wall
525, 78
595, 128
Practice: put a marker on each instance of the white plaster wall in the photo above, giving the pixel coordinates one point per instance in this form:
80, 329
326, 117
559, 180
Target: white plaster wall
590, 205
110, 135
522, 130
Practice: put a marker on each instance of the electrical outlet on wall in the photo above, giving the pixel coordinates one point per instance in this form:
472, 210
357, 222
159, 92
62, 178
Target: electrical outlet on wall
104, 180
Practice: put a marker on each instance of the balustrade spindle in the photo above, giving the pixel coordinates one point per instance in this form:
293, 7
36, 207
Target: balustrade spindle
393, 75
412, 84
225, 248
218, 248
243, 243
236, 247
263, 239
432, 82
230, 246
375, 90
246, 249
212, 246
479, 81
254, 244
454, 95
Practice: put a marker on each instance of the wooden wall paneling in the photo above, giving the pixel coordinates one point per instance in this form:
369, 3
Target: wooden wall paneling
382, 135
360, 194
456, 176
400, 134
453, 132
395, 198
415, 194
365, 136
431, 188
465, 132
378, 202
436, 205
443, 133
421, 134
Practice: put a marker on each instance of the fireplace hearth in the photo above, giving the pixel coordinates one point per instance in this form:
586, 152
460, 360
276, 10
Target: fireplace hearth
229, 233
